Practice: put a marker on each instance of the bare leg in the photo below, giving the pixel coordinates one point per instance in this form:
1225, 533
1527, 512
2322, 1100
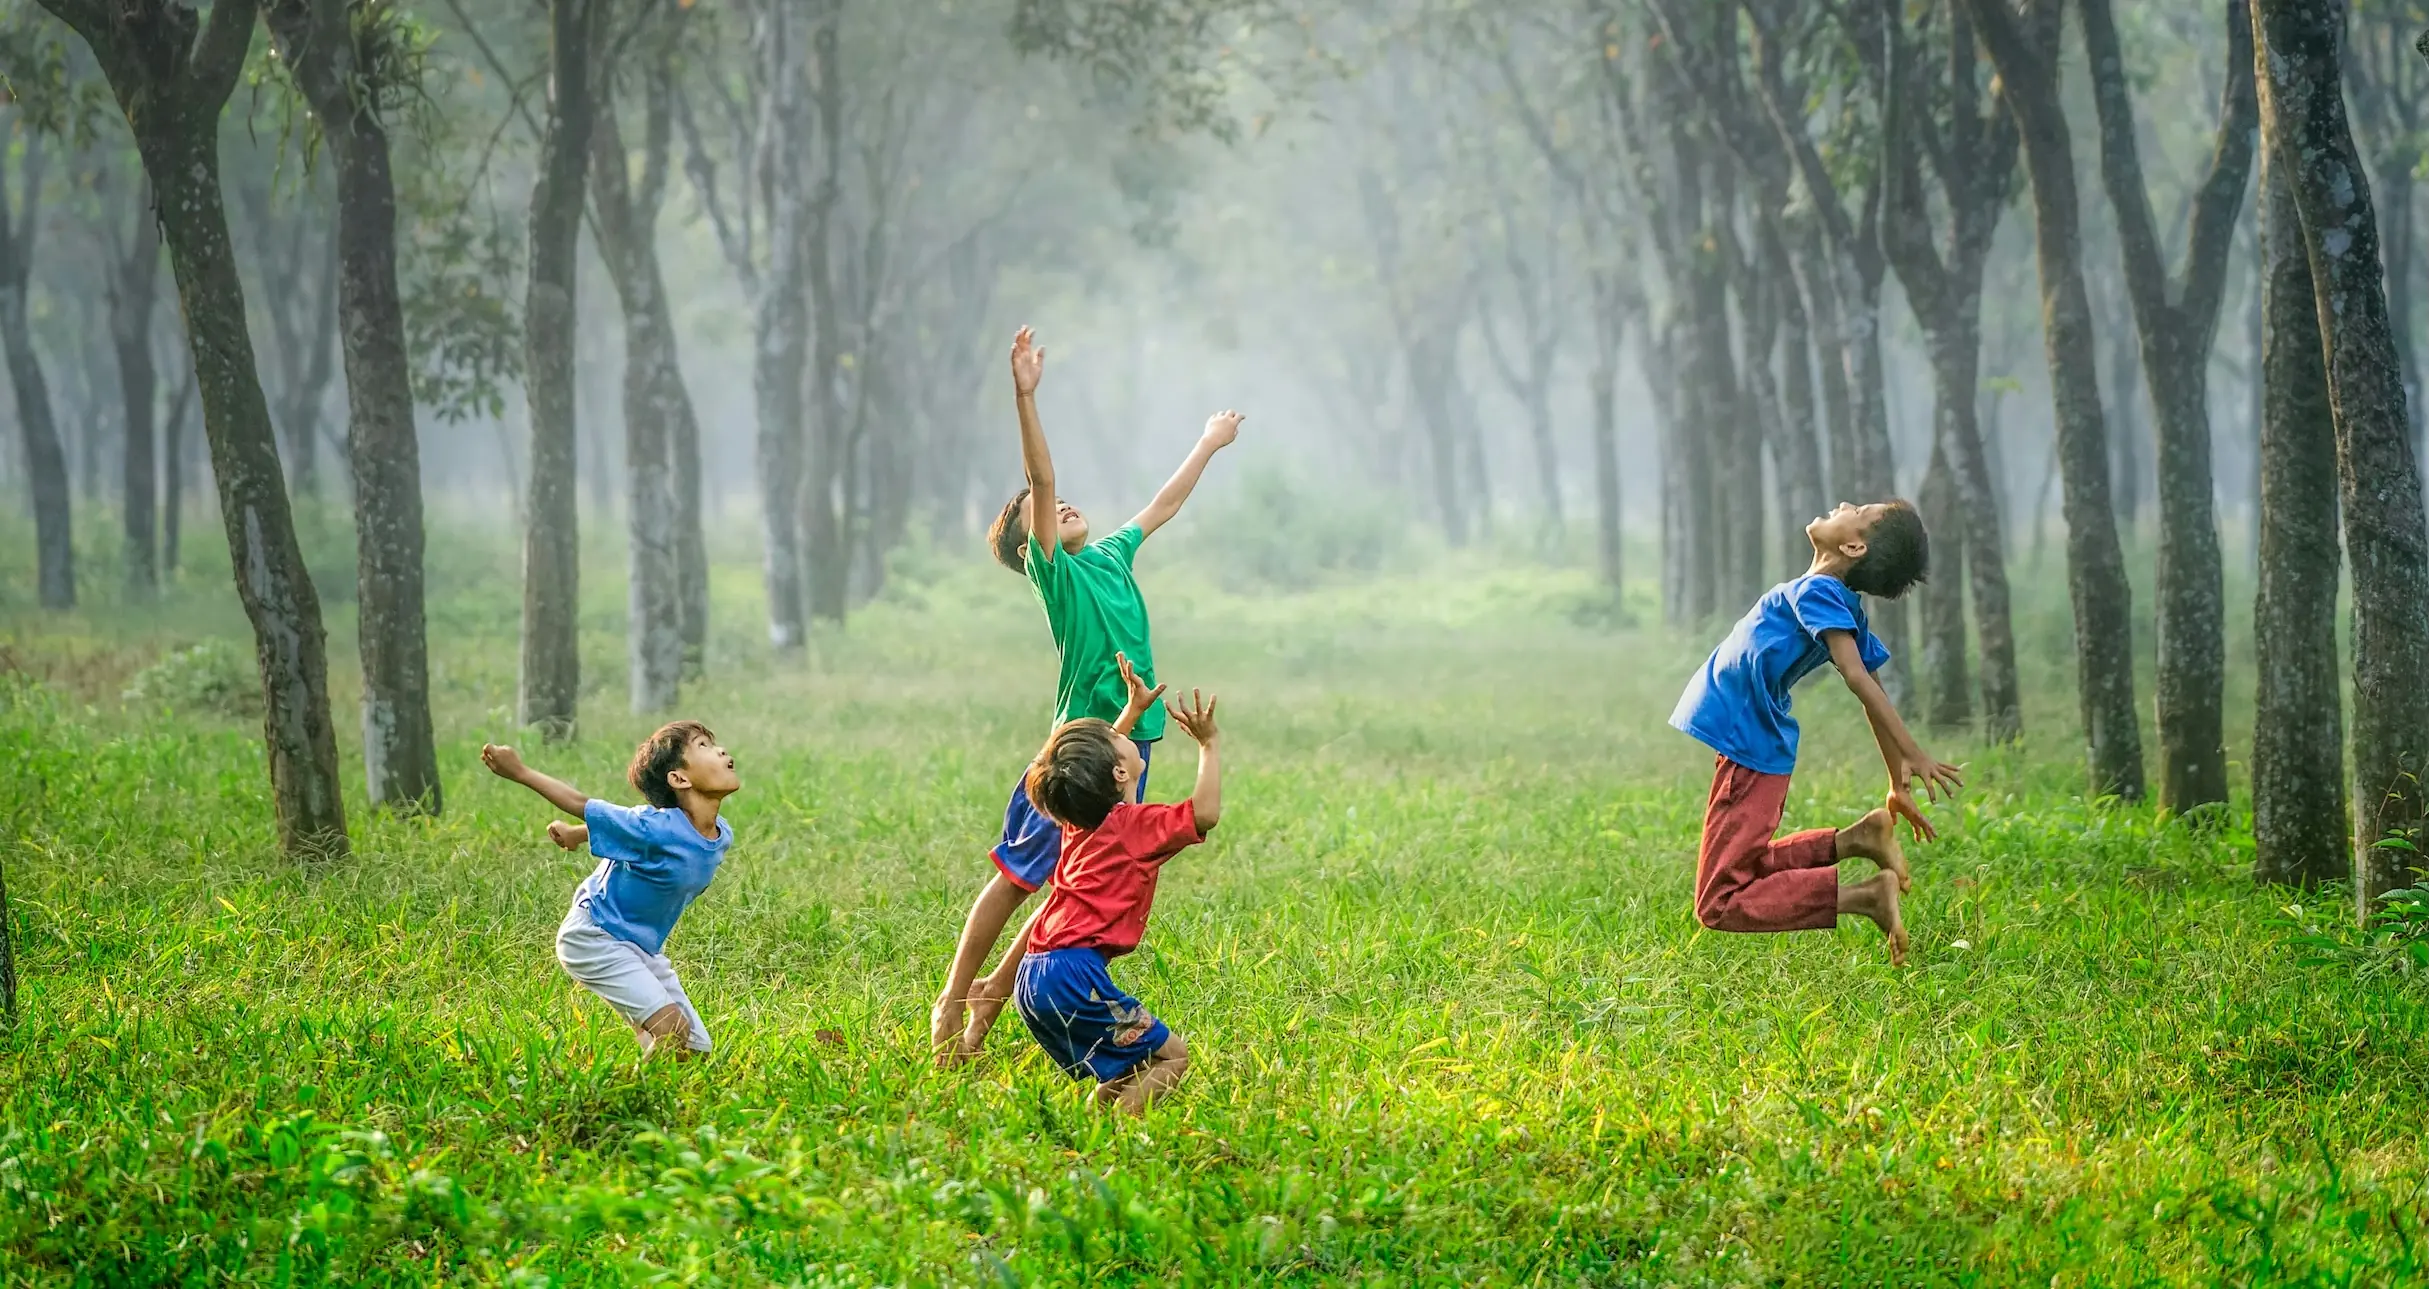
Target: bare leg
1149, 1081
986, 922
1876, 897
1875, 837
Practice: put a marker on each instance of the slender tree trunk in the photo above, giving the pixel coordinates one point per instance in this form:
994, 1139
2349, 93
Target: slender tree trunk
173, 484
2178, 323
1798, 453
653, 386
134, 279
8, 959
400, 755
1429, 374
2299, 825
2303, 114
182, 156
46, 471
2102, 598
1947, 694
1744, 505
1838, 410
1712, 417
551, 663
827, 466
1610, 334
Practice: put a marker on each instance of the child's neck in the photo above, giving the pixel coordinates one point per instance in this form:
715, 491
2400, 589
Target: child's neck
1829, 563
700, 808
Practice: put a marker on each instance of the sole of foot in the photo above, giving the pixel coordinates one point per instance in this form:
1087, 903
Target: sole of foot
1875, 837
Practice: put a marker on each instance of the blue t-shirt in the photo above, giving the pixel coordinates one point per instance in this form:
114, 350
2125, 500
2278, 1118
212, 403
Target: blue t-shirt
1737, 703
652, 862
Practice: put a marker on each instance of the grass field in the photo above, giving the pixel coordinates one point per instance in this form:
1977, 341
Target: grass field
1454, 1019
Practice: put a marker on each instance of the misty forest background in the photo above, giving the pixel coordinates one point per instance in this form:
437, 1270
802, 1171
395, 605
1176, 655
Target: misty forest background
545, 369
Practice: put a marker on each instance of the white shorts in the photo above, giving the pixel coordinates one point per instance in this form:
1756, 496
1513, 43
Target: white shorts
636, 984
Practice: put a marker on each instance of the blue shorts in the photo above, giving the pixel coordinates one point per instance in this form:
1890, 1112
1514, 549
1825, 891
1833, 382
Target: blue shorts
1032, 843
1083, 1019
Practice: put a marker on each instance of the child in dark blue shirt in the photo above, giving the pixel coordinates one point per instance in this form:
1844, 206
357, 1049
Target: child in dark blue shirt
1737, 705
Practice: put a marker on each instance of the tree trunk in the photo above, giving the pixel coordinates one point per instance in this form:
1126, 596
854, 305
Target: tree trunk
46, 472
2299, 826
1838, 411
827, 465
2178, 325
653, 386
1797, 454
551, 662
400, 756
1611, 312
2101, 597
173, 484
1947, 695
134, 278
8, 960
2303, 114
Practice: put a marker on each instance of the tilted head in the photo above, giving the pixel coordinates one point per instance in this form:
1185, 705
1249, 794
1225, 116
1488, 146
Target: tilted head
680, 757
1881, 548
1008, 536
1085, 770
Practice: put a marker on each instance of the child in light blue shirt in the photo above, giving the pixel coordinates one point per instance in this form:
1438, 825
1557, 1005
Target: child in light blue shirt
654, 860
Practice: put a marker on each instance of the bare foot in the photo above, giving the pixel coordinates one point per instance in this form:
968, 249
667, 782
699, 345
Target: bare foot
1876, 897
1875, 837
944, 1029
985, 1005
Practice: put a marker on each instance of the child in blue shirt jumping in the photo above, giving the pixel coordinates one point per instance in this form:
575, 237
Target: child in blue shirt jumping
653, 861
1737, 705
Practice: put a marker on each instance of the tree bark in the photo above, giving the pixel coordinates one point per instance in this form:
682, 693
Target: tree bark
2299, 827
173, 483
134, 279
2302, 111
1975, 154
400, 755
828, 461
551, 677
2178, 323
172, 71
1611, 313
1797, 453
46, 472
2096, 583
653, 389
1948, 700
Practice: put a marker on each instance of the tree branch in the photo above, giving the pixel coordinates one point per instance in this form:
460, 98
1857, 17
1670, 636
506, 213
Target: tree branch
2121, 167
2220, 201
219, 53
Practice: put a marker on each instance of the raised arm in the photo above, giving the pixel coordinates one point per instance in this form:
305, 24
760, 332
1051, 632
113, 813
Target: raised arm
1904, 758
1045, 522
1198, 719
1222, 429
1141, 697
507, 763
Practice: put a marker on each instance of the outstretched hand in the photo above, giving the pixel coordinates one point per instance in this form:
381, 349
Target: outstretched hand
1940, 779
1197, 717
1141, 697
1223, 428
1902, 805
504, 762
1028, 362
568, 836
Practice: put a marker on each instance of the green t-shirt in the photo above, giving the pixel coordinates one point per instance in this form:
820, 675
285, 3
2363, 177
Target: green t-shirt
1094, 608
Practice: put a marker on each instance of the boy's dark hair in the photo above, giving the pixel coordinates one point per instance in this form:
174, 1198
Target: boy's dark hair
1897, 555
1008, 536
661, 754
1072, 779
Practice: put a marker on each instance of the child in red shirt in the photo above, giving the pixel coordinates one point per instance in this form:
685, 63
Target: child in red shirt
1097, 904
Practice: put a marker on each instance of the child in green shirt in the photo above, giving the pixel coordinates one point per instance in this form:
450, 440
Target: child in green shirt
1099, 623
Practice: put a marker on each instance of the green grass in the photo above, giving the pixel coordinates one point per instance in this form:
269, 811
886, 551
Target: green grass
1454, 1019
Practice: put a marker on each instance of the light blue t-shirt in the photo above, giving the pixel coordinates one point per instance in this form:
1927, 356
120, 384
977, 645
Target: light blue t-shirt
1737, 703
652, 863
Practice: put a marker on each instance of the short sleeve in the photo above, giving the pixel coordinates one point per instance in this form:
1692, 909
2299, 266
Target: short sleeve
1828, 604
616, 832
1043, 573
1166, 831
1123, 545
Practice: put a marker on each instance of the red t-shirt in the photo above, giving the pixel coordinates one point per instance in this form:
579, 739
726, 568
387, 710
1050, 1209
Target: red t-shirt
1105, 882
